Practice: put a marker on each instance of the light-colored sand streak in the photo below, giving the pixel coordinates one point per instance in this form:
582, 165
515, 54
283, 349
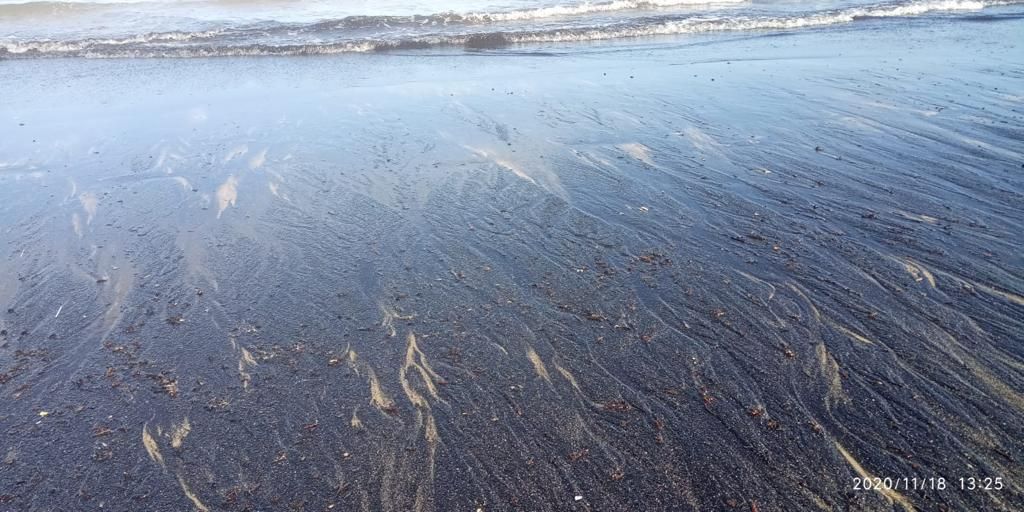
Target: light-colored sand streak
980, 370
180, 432
850, 334
275, 189
76, 224
227, 194
235, 153
192, 496
1006, 295
830, 371
258, 159
388, 321
245, 362
891, 495
538, 364
353, 361
1012, 297
822, 319
814, 310
149, 443
948, 343
918, 271
700, 140
74, 189
591, 159
90, 204
917, 217
771, 287
405, 475
569, 377
185, 185
115, 294
415, 360
505, 164
638, 151
378, 397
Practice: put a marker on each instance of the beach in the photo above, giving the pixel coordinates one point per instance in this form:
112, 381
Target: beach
735, 270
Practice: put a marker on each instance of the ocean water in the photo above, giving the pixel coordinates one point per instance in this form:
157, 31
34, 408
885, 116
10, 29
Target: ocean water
201, 28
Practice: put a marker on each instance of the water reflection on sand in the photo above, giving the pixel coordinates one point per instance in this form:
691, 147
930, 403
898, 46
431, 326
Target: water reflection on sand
614, 284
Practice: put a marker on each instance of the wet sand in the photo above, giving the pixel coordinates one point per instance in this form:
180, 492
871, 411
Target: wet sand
728, 273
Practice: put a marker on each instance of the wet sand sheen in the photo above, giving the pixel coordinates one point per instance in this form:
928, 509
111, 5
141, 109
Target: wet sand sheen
557, 283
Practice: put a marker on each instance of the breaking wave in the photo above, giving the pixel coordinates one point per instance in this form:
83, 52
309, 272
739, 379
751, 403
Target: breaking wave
471, 30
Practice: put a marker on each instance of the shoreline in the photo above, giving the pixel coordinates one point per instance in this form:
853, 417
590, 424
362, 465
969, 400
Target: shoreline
369, 34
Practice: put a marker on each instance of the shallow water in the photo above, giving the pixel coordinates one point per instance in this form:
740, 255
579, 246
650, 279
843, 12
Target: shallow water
730, 272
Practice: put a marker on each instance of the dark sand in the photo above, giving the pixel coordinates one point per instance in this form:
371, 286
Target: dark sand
714, 274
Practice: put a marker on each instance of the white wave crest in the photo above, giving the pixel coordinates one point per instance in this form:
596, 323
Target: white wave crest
585, 8
740, 23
